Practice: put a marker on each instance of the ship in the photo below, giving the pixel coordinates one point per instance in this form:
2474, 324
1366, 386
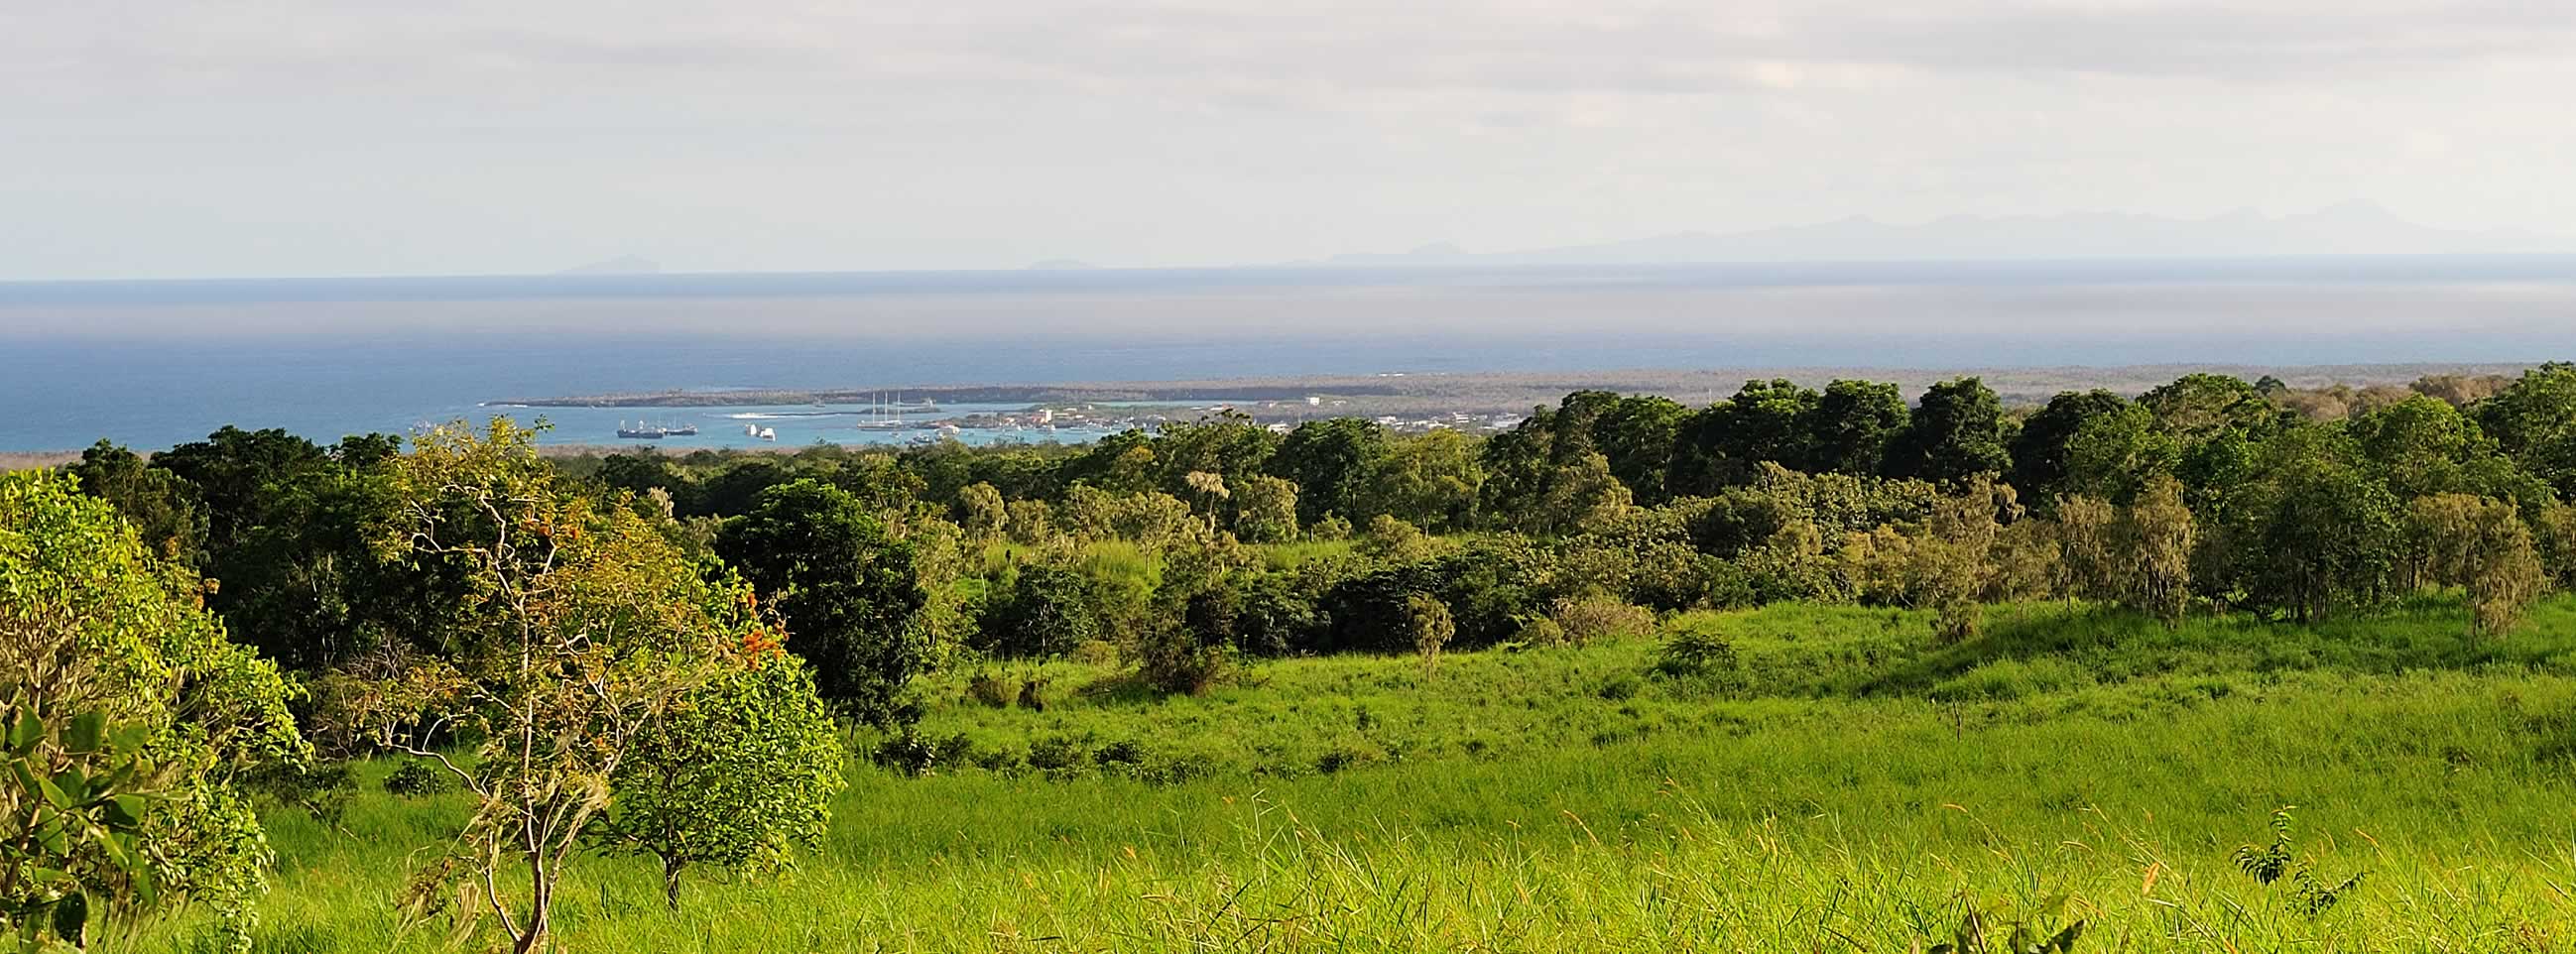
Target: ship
684, 430
644, 432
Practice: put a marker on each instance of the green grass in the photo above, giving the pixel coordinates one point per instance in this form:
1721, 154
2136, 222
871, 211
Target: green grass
1850, 789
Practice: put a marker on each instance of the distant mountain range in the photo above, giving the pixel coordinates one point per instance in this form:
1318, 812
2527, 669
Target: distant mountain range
2351, 228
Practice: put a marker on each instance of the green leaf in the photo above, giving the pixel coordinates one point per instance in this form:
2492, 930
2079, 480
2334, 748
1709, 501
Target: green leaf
71, 918
73, 783
125, 811
129, 738
85, 732
52, 793
2064, 941
24, 735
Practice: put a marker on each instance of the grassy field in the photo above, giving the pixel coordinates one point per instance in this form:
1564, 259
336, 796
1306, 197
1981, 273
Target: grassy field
1845, 788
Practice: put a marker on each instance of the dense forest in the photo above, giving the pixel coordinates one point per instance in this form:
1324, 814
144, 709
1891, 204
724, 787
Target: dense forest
670, 655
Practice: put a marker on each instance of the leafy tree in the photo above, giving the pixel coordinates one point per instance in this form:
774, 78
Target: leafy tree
2159, 533
2482, 546
1209, 489
585, 626
1723, 444
1957, 432
2315, 532
1331, 462
1850, 426
847, 590
1636, 434
1031, 522
1431, 627
164, 507
2197, 405
1228, 443
2112, 454
119, 684
2042, 451
1265, 509
1430, 480
986, 514
1581, 495
740, 771
2086, 539
242, 476
1044, 612
1395, 541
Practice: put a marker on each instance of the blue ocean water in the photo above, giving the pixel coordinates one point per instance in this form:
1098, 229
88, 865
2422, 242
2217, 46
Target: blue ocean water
150, 364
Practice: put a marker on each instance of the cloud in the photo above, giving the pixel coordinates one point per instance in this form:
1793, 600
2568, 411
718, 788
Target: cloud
1310, 52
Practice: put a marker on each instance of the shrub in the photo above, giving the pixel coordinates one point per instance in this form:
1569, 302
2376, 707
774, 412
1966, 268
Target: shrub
1332, 527
992, 689
1173, 658
1057, 754
415, 778
1539, 632
1586, 619
1697, 652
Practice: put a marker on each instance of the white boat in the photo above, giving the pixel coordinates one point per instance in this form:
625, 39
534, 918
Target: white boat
768, 434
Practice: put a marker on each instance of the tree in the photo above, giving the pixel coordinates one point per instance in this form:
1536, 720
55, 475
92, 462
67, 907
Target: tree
1209, 489
2041, 452
1228, 443
1431, 626
986, 514
584, 627
847, 590
1430, 480
1723, 444
1635, 434
2088, 540
2159, 534
739, 772
2316, 531
1331, 462
118, 684
1953, 563
1043, 612
2483, 547
1031, 522
1395, 541
2420, 446
163, 506
1265, 509
2195, 406
1957, 432
1849, 427
1581, 495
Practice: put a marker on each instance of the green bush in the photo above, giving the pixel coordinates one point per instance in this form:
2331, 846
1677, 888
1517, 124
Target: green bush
415, 778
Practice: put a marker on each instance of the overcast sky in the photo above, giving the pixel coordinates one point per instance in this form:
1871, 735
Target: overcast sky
349, 137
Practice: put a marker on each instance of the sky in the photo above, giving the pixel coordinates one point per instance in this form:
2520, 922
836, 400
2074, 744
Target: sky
172, 138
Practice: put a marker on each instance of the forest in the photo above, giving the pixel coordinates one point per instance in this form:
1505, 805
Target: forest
1802, 668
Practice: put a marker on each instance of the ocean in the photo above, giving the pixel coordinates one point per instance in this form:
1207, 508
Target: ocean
150, 364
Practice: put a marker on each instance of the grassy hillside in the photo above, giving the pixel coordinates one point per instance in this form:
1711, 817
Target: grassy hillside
1840, 788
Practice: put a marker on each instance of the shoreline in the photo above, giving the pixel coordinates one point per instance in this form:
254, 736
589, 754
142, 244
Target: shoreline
1517, 390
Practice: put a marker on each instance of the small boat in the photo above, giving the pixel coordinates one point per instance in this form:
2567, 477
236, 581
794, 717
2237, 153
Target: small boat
751, 430
684, 430
768, 434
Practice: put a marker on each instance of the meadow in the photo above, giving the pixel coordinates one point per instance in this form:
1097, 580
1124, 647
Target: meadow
1844, 784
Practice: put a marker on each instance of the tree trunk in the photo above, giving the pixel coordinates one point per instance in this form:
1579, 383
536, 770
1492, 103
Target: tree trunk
540, 903
671, 882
